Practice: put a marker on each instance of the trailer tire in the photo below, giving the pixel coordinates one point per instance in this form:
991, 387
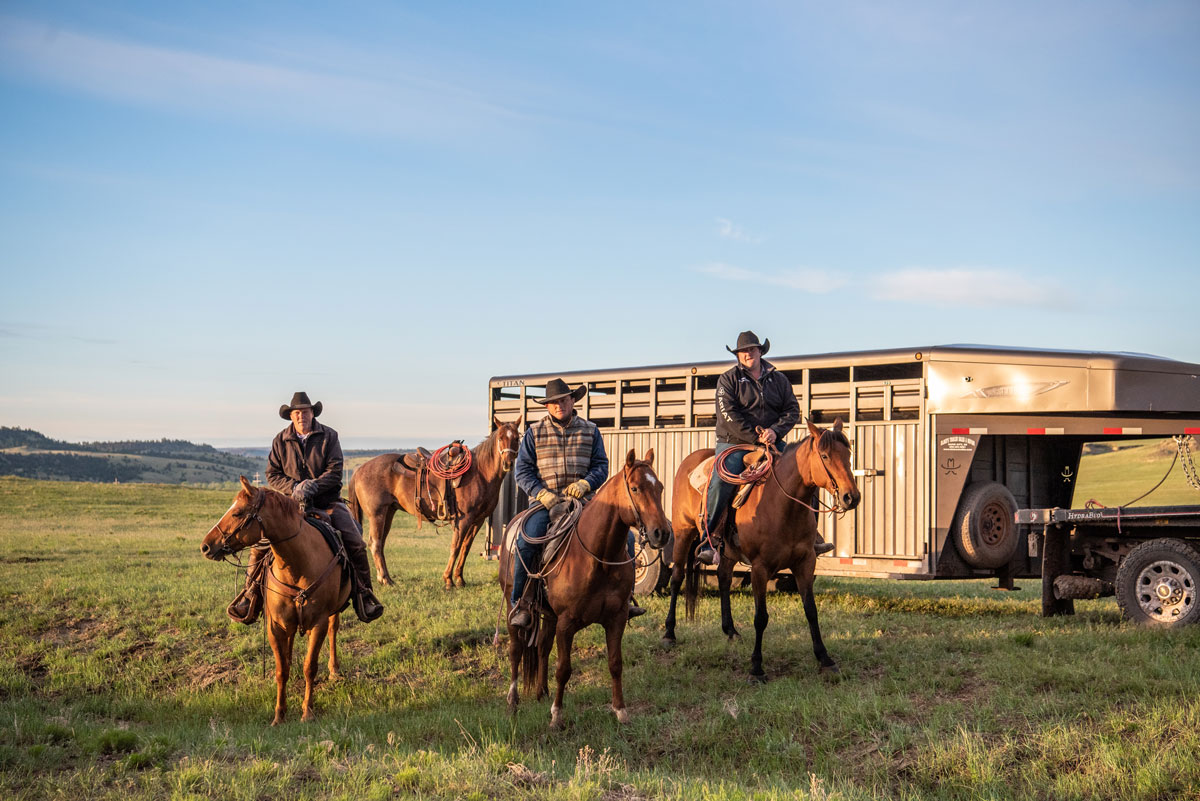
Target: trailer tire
1158, 584
985, 528
650, 570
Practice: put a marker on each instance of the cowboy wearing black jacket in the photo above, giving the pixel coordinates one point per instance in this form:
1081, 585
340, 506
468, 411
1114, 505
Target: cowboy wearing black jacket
306, 463
755, 404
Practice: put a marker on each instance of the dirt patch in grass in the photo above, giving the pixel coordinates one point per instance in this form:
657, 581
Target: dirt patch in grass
76, 631
200, 677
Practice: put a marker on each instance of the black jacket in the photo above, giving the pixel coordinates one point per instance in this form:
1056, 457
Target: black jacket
318, 457
743, 404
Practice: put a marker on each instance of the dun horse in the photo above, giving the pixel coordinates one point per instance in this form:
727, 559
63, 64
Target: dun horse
588, 581
776, 529
305, 589
384, 485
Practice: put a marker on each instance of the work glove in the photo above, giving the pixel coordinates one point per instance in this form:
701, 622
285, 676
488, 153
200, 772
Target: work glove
579, 488
303, 490
548, 499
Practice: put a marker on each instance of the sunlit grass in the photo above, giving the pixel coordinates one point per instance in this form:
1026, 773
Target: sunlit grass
128, 682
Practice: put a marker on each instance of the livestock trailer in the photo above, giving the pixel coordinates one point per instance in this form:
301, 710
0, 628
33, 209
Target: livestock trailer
948, 442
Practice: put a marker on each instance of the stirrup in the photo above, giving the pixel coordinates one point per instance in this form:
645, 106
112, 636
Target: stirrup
245, 608
367, 606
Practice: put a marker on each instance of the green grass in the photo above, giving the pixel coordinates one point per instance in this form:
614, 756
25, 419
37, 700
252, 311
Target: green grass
124, 680
1118, 476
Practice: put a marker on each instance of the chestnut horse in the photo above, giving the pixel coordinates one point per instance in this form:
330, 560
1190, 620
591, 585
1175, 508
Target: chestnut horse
589, 581
776, 529
305, 587
384, 484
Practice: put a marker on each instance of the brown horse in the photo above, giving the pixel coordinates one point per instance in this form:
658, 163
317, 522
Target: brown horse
384, 484
776, 529
305, 588
588, 581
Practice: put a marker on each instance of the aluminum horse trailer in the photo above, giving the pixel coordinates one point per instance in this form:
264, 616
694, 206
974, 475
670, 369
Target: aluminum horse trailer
948, 441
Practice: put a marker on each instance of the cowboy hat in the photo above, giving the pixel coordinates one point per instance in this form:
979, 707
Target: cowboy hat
747, 340
299, 401
557, 388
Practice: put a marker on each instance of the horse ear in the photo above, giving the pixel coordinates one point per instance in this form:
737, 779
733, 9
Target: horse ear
496, 424
837, 425
630, 458
649, 457
812, 428
246, 486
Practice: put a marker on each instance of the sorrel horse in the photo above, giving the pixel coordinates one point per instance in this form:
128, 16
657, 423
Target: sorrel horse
776, 529
384, 485
305, 587
588, 580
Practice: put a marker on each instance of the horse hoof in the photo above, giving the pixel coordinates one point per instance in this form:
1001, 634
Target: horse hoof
307, 717
830, 668
622, 715
556, 723
386, 581
667, 643
459, 581
758, 678
733, 635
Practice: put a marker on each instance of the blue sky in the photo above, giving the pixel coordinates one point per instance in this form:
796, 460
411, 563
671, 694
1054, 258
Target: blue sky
204, 207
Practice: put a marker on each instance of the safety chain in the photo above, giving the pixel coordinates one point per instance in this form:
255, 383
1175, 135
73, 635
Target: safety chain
1184, 444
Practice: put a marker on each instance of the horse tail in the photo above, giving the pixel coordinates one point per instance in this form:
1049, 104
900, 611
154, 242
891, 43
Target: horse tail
691, 582
529, 641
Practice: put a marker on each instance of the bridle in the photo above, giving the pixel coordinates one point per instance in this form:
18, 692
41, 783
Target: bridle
641, 525
836, 492
252, 515
500, 452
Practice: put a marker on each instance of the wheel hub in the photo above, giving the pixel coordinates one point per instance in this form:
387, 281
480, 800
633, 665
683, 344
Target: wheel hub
1165, 591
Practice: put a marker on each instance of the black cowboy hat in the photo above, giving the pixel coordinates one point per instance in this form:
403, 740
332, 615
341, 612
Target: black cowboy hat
747, 340
557, 388
299, 401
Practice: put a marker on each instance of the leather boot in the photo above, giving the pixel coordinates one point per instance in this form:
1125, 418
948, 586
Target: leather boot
247, 606
519, 617
366, 605
634, 609
822, 547
707, 554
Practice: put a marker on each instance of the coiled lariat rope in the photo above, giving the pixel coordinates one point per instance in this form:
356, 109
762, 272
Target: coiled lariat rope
444, 465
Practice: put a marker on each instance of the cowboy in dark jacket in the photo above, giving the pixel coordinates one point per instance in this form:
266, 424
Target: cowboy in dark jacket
306, 463
560, 454
755, 404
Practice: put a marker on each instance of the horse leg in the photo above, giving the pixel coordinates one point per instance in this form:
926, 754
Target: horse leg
724, 582
381, 523
455, 542
758, 580
613, 633
804, 582
281, 645
682, 557
562, 671
334, 668
464, 550
316, 638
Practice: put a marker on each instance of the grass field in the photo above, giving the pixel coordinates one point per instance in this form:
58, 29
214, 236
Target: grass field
124, 680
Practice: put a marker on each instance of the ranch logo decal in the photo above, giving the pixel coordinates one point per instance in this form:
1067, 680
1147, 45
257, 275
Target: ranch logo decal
956, 444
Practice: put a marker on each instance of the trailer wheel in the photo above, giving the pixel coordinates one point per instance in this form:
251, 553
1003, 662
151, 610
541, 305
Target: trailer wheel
985, 527
1157, 583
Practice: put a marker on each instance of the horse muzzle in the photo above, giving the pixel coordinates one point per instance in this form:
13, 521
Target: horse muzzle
849, 500
658, 537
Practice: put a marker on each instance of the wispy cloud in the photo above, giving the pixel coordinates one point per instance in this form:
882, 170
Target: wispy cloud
815, 281
398, 104
727, 229
977, 287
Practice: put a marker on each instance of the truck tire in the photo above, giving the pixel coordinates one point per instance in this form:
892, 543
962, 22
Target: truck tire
985, 528
1158, 584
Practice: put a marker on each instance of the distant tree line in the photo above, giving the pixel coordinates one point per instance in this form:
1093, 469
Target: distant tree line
67, 467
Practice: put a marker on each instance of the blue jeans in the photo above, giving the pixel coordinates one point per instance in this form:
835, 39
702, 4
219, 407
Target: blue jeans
530, 553
721, 493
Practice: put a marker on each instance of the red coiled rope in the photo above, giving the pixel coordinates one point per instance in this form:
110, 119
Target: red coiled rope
443, 465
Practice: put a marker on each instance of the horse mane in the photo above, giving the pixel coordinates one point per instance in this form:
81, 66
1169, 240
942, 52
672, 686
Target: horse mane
284, 503
829, 437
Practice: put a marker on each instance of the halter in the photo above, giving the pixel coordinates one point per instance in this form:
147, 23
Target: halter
836, 508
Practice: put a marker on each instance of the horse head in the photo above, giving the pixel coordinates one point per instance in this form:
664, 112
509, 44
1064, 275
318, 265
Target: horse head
645, 498
830, 466
508, 439
233, 531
